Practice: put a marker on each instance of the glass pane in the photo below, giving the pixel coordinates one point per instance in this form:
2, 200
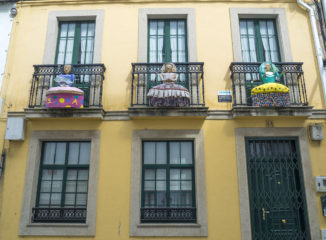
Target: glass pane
57, 186
174, 185
57, 175
161, 153
175, 174
174, 153
175, 198
270, 27
91, 29
69, 50
64, 28
70, 199
186, 153
85, 152
55, 198
83, 29
160, 174
46, 174
49, 151
251, 28
46, 186
149, 186
149, 199
186, 185
181, 27
161, 199
83, 175
82, 186
243, 27
186, 174
81, 199
149, 174
149, 153
71, 186
160, 185
152, 27
72, 175
44, 199
71, 30
160, 28
73, 153
60, 153
173, 27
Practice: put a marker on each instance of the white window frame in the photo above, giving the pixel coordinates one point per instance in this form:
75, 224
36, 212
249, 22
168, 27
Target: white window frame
167, 229
79, 15
278, 14
27, 227
166, 13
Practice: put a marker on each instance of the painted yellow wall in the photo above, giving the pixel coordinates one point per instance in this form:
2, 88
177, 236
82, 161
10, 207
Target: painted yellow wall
115, 165
120, 43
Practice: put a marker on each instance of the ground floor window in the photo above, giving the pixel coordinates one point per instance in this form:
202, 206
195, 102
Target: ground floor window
63, 182
168, 182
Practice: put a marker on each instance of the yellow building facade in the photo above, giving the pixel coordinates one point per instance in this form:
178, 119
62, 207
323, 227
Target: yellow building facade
219, 168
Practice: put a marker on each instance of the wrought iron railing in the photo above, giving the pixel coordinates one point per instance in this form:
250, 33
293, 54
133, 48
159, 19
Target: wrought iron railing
146, 75
163, 215
59, 215
245, 76
88, 77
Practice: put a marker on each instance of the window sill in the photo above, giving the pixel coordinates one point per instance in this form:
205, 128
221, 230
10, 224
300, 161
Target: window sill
83, 225
165, 225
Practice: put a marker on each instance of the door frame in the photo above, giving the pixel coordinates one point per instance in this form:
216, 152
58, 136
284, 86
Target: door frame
301, 134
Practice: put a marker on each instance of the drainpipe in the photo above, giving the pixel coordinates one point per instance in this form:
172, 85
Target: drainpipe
318, 48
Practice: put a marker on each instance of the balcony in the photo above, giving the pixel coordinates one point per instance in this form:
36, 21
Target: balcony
146, 75
168, 215
88, 77
59, 215
245, 76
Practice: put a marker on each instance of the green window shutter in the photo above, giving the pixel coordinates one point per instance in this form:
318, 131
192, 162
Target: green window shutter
259, 40
75, 43
167, 41
63, 176
168, 178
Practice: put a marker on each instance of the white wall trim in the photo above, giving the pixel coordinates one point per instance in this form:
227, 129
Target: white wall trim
78, 15
155, 230
167, 13
26, 227
278, 14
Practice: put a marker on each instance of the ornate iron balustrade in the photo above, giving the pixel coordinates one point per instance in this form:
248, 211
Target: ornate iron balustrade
146, 76
88, 77
245, 76
59, 215
161, 215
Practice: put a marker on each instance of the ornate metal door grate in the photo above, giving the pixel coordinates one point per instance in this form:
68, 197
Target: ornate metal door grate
276, 190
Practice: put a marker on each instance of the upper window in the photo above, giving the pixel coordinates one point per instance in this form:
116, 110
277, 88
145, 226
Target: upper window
259, 40
63, 182
75, 43
168, 185
167, 41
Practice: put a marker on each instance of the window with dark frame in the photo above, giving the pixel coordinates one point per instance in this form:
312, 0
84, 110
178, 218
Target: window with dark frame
63, 182
259, 40
168, 182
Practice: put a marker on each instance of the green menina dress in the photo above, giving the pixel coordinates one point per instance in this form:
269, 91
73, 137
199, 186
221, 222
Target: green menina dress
271, 76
